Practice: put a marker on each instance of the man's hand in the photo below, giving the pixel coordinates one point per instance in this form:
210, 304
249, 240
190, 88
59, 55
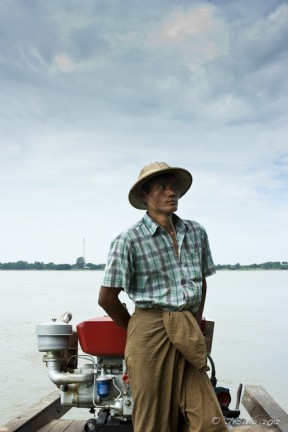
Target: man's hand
199, 313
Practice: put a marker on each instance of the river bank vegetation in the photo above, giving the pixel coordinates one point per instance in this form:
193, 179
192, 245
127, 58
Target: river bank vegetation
37, 265
82, 265
270, 265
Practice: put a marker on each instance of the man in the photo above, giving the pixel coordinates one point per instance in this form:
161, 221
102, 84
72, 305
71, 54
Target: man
162, 262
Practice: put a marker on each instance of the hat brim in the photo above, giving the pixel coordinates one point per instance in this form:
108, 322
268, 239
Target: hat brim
183, 177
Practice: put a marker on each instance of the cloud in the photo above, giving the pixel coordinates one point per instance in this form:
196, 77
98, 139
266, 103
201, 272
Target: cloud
198, 30
181, 27
63, 63
91, 92
187, 65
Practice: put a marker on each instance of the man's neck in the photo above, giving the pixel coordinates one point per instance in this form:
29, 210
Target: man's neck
166, 221
163, 219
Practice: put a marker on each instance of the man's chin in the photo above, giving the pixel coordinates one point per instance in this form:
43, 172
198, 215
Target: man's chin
172, 208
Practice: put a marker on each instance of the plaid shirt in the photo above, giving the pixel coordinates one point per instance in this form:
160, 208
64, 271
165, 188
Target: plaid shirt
142, 261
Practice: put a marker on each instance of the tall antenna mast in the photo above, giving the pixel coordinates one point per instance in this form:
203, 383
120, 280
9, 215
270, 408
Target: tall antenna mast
84, 251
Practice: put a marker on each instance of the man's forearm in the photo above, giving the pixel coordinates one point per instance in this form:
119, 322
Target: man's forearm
109, 301
118, 313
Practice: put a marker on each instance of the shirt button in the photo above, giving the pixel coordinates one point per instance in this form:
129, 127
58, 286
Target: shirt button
183, 282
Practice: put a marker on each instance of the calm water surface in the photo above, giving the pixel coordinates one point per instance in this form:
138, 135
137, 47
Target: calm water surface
250, 338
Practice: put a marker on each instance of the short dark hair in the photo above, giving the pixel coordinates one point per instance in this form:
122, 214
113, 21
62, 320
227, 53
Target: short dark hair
147, 185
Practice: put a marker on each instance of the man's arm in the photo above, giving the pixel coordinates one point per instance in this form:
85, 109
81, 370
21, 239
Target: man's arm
109, 301
199, 313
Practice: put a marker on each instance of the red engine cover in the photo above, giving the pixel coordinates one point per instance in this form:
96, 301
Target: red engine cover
101, 337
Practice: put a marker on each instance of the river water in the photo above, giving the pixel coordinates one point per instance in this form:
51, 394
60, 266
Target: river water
250, 337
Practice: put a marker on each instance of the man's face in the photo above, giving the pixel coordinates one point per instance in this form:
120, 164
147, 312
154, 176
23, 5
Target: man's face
163, 195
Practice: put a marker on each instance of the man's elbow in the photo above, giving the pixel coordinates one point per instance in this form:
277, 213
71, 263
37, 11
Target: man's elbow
108, 297
100, 301
102, 298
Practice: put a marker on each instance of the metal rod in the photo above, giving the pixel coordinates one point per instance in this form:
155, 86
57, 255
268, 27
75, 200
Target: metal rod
238, 398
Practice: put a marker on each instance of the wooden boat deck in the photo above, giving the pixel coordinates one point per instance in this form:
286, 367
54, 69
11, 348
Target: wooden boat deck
61, 425
74, 426
46, 416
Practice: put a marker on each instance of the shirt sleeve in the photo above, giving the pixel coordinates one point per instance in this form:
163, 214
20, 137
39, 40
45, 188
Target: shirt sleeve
119, 268
208, 267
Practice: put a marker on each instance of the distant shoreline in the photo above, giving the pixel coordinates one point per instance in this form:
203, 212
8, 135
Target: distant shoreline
39, 265
50, 270
81, 265
74, 270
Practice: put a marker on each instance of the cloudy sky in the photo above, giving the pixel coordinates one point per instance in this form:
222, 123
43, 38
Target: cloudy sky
93, 90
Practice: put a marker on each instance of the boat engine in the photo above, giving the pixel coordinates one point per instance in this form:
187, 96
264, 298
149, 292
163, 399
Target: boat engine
102, 384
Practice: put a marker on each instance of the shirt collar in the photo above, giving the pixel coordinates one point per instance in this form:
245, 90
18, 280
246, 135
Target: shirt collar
153, 226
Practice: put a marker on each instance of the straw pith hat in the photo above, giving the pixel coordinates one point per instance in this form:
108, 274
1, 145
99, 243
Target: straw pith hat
183, 177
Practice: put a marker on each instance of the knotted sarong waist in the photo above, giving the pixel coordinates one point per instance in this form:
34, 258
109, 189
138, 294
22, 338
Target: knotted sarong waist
180, 327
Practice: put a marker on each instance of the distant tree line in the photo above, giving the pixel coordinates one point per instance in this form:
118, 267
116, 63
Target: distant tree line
270, 265
38, 265
82, 265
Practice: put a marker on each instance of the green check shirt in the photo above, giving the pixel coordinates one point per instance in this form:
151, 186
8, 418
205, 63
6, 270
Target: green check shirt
142, 261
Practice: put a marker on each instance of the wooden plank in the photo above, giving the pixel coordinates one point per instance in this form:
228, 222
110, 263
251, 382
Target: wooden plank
38, 415
56, 426
76, 426
264, 409
64, 425
49, 426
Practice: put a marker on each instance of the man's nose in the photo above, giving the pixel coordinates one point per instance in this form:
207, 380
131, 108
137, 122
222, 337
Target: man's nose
172, 190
